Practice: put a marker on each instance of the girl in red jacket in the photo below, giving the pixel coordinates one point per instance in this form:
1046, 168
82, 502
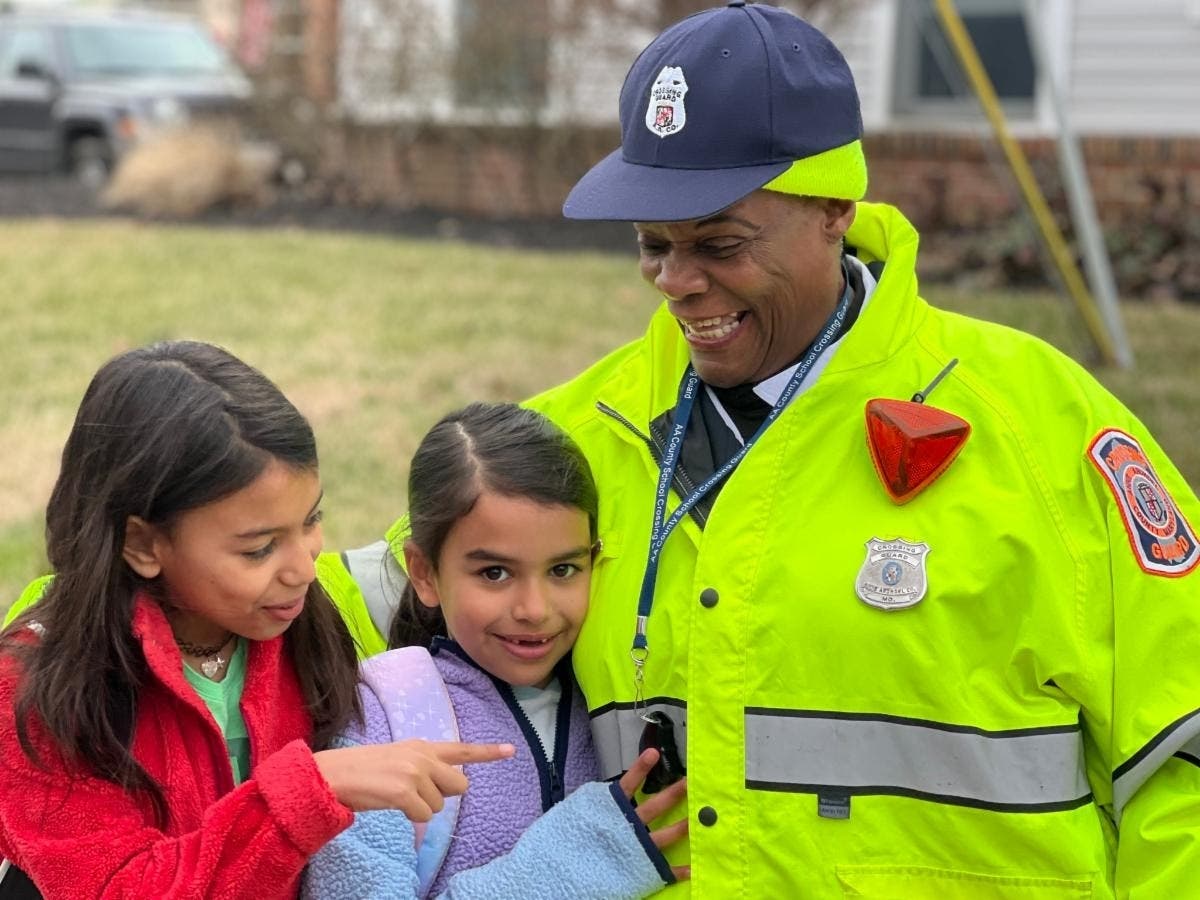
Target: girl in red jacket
166, 703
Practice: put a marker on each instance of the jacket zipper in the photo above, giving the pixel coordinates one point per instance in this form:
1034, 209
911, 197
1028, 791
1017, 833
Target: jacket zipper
548, 774
549, 777
681, 481
644, 438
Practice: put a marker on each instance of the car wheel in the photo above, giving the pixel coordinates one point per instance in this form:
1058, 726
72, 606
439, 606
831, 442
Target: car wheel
90, 161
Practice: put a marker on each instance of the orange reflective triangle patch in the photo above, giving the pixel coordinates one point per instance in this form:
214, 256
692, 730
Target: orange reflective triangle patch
912, 444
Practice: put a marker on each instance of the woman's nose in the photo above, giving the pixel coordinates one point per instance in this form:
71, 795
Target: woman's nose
679, 276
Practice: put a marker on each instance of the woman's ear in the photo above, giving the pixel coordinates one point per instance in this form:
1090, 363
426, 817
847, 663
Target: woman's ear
839, 216
422, 574
141, 547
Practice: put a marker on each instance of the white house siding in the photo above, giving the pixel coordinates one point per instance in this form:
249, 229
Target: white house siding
585, 77
1135, 67
866, 38
586, 72
1125, 66
392, 63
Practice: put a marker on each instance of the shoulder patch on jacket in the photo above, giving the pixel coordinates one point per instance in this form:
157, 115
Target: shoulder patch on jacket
1163, 542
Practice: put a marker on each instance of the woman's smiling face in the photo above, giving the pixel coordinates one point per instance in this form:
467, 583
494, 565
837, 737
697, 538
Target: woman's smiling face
752, 285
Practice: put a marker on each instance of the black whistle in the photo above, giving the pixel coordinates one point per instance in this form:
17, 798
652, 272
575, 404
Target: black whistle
659, 733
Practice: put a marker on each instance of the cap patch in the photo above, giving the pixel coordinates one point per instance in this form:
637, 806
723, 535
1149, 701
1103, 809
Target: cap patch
1163, 543
666, 113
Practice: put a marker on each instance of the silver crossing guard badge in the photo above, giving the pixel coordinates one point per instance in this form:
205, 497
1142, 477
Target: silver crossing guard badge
893, 576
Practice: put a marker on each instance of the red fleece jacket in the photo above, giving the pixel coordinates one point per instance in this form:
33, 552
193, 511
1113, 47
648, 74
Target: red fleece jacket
79, 836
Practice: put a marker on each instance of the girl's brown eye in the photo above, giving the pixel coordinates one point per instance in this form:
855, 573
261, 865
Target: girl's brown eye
494, 573
261, 553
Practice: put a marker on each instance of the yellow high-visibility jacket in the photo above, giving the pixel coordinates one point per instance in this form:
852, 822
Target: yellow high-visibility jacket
1029, 729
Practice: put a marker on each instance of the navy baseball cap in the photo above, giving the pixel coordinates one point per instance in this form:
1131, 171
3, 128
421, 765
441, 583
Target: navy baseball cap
723, 103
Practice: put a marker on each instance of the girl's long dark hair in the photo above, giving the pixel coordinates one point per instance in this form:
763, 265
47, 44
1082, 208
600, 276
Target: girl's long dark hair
161, 430
497, 447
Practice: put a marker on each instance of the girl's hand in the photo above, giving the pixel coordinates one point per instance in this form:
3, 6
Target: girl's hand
656, 805
411, 776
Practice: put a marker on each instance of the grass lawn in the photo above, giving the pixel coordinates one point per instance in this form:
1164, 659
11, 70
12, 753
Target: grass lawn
374, 338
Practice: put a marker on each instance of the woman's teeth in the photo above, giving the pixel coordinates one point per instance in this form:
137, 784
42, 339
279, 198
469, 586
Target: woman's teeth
711, 329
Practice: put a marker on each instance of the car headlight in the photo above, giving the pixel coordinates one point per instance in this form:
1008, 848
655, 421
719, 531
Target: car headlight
168, 111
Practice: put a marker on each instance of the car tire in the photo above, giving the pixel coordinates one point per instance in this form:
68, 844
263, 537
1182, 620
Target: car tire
90, 161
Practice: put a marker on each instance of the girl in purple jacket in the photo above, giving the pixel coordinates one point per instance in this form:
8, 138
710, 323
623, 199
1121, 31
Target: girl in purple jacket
502, 517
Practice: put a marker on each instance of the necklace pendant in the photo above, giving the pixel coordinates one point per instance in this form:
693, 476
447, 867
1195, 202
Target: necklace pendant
210, 667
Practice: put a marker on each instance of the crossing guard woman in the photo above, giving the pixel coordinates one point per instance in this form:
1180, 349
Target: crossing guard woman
915, 597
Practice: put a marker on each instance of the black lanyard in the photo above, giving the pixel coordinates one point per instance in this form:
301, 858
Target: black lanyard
661, 528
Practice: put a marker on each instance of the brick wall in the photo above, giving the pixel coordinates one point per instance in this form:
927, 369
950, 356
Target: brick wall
963, 181
486, 171
1147, 191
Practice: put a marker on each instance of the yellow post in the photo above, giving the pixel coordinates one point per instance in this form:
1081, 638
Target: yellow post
968, 57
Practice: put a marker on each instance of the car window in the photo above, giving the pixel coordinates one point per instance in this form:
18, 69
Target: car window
26, 44
102, 49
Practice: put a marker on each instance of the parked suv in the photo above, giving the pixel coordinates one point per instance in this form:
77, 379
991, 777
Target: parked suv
79, 89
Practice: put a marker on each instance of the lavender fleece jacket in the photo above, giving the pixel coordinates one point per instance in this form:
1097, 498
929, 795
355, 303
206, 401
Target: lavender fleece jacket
513, 837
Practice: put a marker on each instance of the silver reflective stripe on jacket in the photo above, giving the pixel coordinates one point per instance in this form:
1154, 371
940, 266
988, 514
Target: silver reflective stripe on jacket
380, 578
1182, 734
1190, 752
1020, 770
617, 729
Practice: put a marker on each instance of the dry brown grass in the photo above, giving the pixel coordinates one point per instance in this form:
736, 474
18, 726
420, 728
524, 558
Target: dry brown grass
186, 171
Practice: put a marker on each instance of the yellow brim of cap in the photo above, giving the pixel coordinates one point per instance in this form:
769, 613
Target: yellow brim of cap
840, 173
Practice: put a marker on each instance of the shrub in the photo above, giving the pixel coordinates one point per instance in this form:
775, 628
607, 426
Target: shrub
187, 171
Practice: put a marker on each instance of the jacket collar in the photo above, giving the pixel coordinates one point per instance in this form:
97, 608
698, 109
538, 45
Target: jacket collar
446, 647
151, 628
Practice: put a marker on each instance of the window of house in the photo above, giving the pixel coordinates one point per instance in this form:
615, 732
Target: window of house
929, 80
503, 54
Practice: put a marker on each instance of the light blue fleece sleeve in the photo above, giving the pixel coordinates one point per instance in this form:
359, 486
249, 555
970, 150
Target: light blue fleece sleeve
373, 859
591, 845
